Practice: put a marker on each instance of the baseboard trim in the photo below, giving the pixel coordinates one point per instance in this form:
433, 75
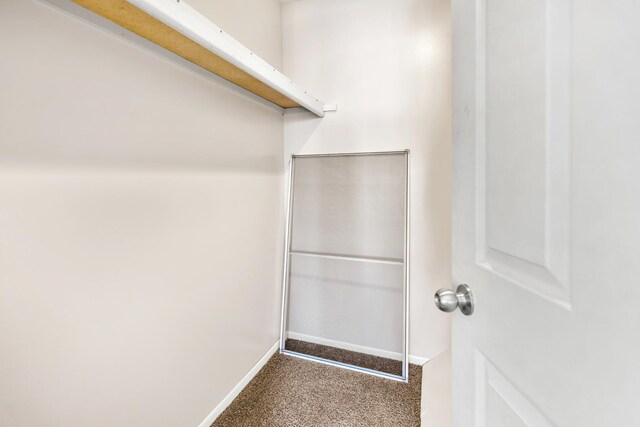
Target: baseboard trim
239, 387
416, 360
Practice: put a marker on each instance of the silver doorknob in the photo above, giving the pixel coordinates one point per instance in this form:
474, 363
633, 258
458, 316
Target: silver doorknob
447, 300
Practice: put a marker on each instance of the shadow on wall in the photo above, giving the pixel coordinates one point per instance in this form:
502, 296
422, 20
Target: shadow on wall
300, 125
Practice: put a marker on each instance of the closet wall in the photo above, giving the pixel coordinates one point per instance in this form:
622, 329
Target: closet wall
387, 65
140, 223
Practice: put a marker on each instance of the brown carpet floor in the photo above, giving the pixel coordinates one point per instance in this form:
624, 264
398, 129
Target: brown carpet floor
294, 392
362, 360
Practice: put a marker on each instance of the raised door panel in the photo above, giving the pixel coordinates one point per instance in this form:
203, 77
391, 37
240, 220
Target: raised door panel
522, 124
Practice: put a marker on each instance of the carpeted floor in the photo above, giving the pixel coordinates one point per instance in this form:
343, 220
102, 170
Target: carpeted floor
362, 360
294, 392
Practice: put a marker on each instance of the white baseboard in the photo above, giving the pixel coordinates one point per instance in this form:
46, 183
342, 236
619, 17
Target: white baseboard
239, 387
416, 360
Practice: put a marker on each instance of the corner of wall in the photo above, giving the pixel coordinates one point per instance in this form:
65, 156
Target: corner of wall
436, 391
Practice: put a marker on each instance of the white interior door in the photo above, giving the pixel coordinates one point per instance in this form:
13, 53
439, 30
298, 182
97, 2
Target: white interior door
547, 212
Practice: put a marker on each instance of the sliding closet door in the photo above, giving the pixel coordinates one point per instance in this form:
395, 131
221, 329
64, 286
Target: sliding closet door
346, 272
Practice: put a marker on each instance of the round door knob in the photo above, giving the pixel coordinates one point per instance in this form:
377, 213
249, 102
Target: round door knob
447, 300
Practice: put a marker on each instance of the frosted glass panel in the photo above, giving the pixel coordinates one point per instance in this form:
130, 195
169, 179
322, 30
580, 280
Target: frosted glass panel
346, 270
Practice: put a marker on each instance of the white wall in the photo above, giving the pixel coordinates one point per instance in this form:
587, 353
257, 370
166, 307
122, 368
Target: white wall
387, 66
140, 223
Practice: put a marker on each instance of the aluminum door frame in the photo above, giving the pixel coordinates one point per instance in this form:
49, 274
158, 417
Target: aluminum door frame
287, 269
